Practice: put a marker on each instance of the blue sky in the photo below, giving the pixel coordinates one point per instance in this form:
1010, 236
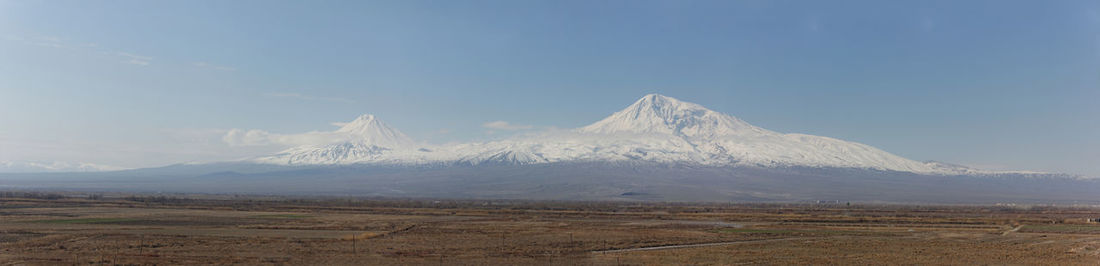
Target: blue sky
993, 84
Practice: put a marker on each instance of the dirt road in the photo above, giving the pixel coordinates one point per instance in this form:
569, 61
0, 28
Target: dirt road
698, 245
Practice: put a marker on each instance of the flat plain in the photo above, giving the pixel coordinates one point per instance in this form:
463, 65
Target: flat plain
46, 229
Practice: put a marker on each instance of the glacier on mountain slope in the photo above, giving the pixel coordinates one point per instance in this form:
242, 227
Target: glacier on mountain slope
655, 129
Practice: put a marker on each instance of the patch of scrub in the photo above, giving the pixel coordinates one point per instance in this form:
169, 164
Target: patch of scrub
798, 232
760, 231
1061, 228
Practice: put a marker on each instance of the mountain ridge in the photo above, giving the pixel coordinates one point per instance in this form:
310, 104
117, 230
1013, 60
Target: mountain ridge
660, 147
655, 128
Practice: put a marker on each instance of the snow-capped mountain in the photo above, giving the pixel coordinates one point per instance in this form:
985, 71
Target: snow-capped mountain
369, 130
656, 149
368, 140
654, 129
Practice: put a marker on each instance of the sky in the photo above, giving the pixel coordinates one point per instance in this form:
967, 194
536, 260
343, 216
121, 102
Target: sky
1004, 85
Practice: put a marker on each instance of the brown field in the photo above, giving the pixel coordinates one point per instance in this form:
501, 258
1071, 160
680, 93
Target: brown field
138, 230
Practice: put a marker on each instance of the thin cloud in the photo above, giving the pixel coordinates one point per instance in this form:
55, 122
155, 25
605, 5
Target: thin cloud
503, 125
55, 42
48, 44
299, 96
255, 137
134, 59
240, 137
136, 62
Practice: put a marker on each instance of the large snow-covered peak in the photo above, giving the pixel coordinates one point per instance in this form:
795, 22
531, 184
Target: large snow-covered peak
655, 113
368, 129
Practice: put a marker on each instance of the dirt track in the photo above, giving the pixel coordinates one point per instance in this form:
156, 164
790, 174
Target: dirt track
695, 245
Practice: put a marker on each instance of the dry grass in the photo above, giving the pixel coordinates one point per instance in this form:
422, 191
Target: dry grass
124, 231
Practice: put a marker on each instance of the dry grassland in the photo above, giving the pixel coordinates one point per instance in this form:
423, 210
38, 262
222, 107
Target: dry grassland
211, 230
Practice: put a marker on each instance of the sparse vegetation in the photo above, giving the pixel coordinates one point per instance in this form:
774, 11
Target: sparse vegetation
219, 229
282, 216
1061, 228
86, 221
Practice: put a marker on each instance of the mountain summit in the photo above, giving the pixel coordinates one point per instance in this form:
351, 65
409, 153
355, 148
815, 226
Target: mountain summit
661, 114
368, 129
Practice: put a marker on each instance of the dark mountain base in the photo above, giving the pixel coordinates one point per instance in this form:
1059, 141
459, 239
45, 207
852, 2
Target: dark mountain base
579, 182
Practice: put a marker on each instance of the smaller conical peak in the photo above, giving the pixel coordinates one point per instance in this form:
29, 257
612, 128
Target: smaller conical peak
368, 128
363, 119
360, 123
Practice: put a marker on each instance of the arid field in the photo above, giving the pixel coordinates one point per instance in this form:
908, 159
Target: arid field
38, 228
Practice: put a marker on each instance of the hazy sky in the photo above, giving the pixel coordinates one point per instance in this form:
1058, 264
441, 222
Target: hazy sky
996, 84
